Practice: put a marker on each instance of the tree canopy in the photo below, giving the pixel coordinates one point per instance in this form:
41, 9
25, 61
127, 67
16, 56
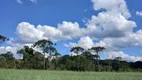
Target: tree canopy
85, 60
2, 38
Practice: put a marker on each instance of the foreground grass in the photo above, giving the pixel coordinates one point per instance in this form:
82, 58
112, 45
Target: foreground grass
6, 74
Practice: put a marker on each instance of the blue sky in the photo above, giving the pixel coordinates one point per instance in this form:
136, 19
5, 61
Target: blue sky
54, 12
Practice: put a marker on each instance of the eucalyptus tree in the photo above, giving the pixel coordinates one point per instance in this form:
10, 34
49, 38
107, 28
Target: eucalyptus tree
47, 47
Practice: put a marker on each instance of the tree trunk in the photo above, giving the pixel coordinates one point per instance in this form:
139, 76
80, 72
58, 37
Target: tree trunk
44, 62
97, 58
98, 62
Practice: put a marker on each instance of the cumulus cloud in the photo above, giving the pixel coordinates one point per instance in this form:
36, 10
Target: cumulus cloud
111, 26
139, 13
51, 32
112, 21
70, 29
106, 23
131, 40
28, 33
85, 42
7, 49
118, 6
112, 47
113, 54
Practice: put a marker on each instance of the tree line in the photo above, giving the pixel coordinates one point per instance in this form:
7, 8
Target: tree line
51, 59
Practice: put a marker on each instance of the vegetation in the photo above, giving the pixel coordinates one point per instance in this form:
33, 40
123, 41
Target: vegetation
47, 47
2, 38
65, 75
50, 59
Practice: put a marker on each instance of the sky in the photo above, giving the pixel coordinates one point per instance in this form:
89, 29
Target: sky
113, 24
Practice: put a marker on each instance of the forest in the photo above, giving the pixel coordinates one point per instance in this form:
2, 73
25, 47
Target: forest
51, 59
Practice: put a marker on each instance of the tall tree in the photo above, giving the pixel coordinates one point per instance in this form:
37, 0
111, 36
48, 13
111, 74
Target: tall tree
47, 47
77, 50
26, 52
97, 50
89, 55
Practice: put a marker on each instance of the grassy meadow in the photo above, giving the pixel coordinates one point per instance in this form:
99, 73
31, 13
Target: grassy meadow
7, 74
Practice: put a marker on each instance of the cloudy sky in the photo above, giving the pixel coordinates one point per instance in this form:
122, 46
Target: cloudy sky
114, 24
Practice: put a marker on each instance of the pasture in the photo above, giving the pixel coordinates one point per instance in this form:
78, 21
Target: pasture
7, 74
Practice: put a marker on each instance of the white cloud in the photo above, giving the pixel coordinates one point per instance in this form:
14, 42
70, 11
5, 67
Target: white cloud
85, 42
118, 6
29, 33
113, 55
111, 26
113, 45
71, 30
112, 22
139, 13
19, 1
106, 23
7, 49
131, 40
51, 33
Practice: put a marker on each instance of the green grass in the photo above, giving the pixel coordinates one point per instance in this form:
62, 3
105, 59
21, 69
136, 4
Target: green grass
7, 74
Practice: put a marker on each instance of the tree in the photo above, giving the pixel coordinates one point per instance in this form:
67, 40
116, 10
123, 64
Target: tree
47, 47
77, 50
7, 56
37, 60
28, 54
56, 58
2, 38
87, 54
97, 50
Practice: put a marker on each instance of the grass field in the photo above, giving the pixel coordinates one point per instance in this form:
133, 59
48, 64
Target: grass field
6, 74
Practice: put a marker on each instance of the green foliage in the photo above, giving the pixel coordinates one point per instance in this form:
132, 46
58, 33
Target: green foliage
2, 38
83, 61
6, 56
77, 50
47, 47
